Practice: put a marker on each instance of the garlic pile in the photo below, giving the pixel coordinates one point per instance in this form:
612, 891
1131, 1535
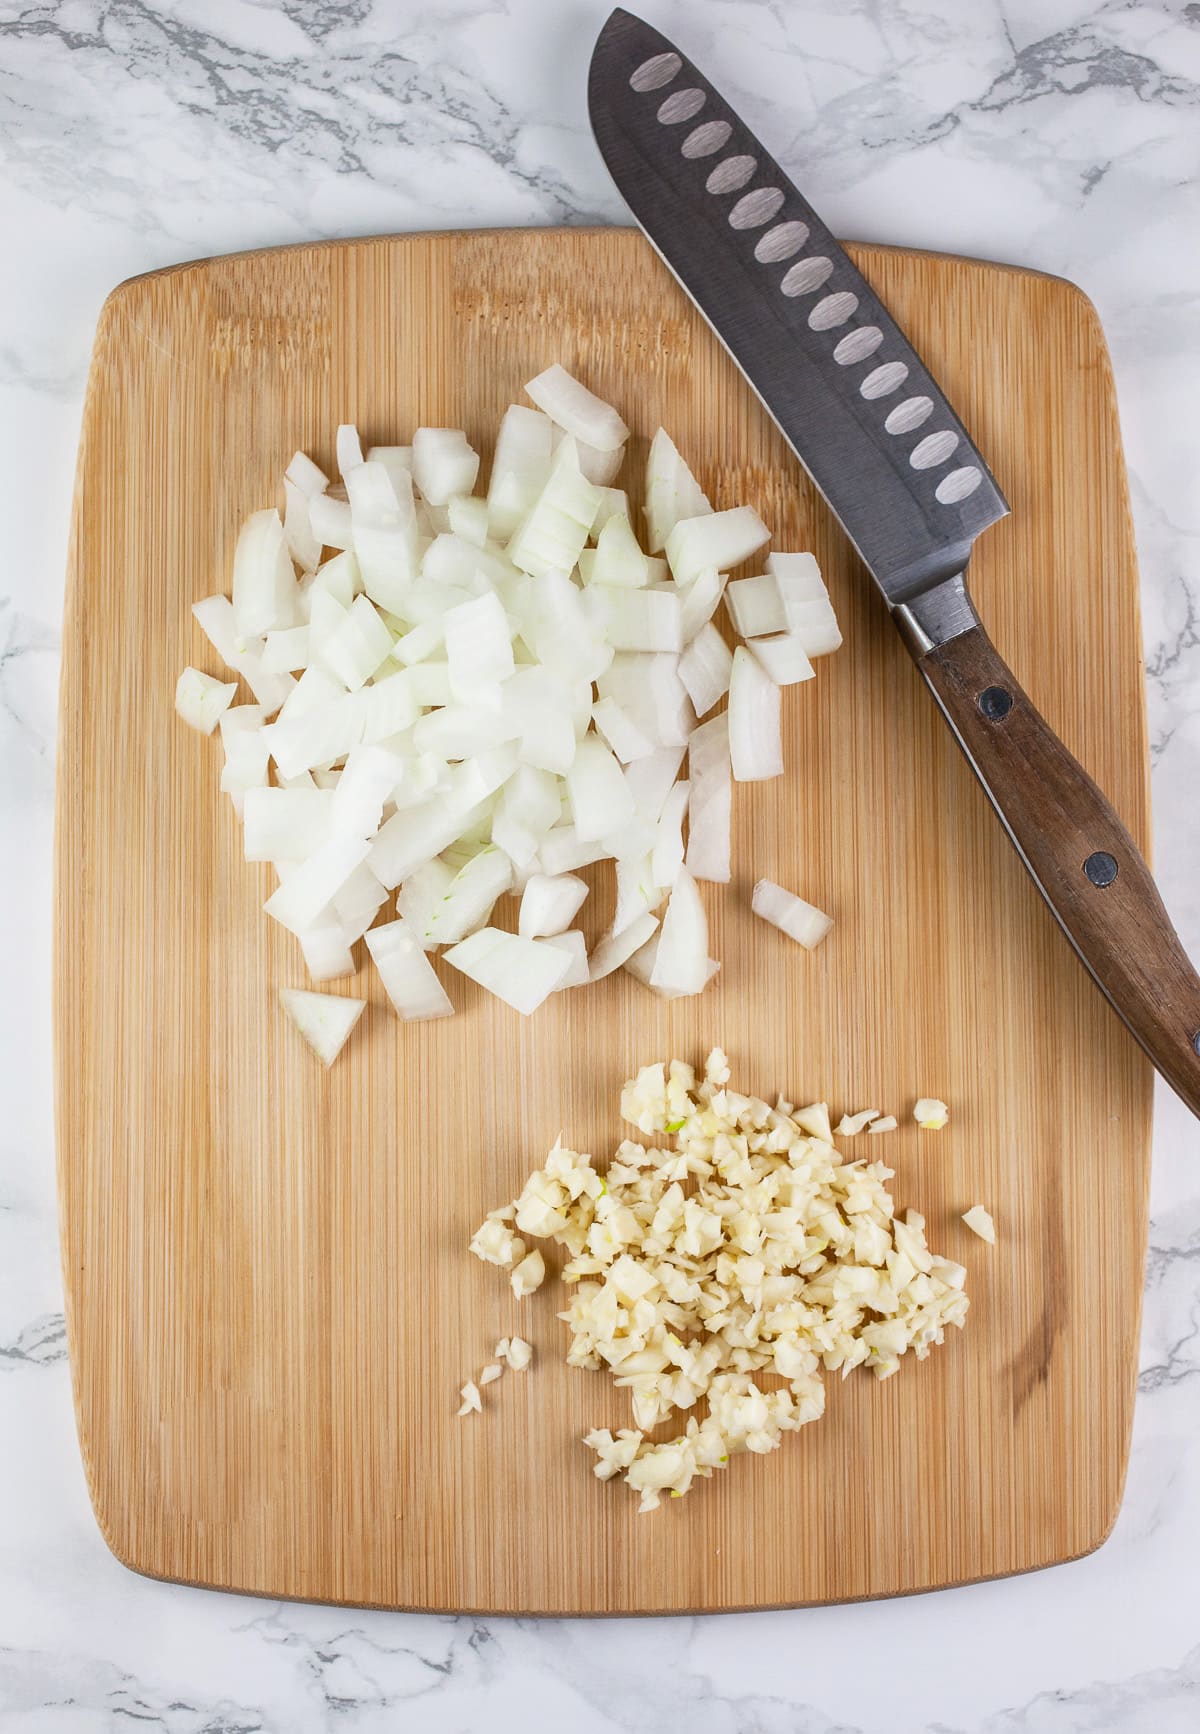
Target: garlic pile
749, 1248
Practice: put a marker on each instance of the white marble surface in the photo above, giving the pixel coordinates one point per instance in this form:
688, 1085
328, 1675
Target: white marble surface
1063, 134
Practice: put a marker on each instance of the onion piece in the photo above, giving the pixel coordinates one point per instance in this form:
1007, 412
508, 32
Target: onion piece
755, 734
521, 972
420, 895
443, 464
469, 519
574, 945
801, 921
649, 780
709, 822
286, 650
572, 406
548, 906
330, 521
215, 617
672, 491
307, 476
359, 646
756, 605
310, 888
563, 850
639, 619
552, 536
617, 559
384, 533
529, 807
704, 669
349, 450
520, 468
700, 599
323, 1019
616, 948
264, 584
247, 753
406, 973
597, 791
681, 965
413, 836
783, 658
720, 539
365, 785
666, 859
358, 903
471, 896
285, 824
200, 700
806, 601
600, 468
304, 545
327, 955
394, 459
478, 646
620, 731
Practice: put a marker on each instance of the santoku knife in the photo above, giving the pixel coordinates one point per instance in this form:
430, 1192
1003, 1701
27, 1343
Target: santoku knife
899, 470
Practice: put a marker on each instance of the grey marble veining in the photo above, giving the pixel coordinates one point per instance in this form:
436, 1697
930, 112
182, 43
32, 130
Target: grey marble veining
1061, 134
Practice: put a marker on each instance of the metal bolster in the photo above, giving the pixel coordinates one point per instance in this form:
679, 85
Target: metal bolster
937, 615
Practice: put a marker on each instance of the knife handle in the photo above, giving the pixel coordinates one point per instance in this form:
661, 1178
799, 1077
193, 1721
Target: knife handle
1081, 857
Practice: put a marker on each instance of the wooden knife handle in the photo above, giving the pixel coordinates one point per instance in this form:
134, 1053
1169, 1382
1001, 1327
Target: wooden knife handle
1081, 857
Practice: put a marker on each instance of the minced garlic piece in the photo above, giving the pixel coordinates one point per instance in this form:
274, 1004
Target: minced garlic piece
887, 1124
530, 1274
519, 1355
490, 1373
930, 1114
850, 1125
472, 1402
979, 1222
738, 1242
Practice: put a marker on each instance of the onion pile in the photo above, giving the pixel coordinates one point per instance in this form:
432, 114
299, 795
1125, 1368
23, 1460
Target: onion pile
459, 697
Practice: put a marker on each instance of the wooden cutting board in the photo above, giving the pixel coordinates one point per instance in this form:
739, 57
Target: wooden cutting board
271, 1306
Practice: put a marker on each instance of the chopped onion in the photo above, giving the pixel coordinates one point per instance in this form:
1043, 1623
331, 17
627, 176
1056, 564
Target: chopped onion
285, 824
323, 1019
443, 464
521, 972
360, 644
330, 521
672, 491
478, 646
783, 658
599, 796
704, 669
469, 519
215, 617
413, 836
286, 650
755, 732
370, 775
247, 752
394, 459
806, 601
700, 599
574, 945
406, 973
801, 921
711, 806
548, 906
384, 532
327, 956
304, 545
264, 584
720, 539
649, 780
530, 805
552, 536
520, 469
667, 857
200, 700
620, 731
348, 447
307, 476
617, 948
681, 966
563, 850
756, 605
580, 412
307, 892
470, 897
639, 619
358, 903
617, 559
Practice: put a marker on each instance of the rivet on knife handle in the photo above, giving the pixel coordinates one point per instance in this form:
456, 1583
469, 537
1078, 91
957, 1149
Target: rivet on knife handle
1083, 860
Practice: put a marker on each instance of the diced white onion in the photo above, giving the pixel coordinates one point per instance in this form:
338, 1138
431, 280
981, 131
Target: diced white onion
307, 476
801, 921
755, 729
667, 857
681, 966
672, 491
521, 972
548, 906
200, 700
756, 605
264, 584
406, 973
616, 948
620, 731
572, 406
599, 797
720, 539
708, 850
349, 449
574, 945
443, 464
323, 1019
639, 619
783, 658
704, 669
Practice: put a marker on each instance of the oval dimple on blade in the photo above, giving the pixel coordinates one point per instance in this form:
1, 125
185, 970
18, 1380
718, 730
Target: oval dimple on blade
808, 331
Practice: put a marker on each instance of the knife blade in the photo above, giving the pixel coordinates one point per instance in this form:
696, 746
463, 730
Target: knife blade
898, 469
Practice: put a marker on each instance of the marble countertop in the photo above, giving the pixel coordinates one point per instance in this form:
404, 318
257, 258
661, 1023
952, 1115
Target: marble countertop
1061, 134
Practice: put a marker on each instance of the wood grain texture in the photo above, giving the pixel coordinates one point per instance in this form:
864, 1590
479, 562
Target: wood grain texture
270, 1302
1081, 855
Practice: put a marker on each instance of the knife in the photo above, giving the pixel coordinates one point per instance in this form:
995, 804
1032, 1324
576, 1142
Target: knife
900, 472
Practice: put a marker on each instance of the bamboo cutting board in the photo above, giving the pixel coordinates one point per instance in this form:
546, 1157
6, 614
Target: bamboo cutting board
270, 1302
